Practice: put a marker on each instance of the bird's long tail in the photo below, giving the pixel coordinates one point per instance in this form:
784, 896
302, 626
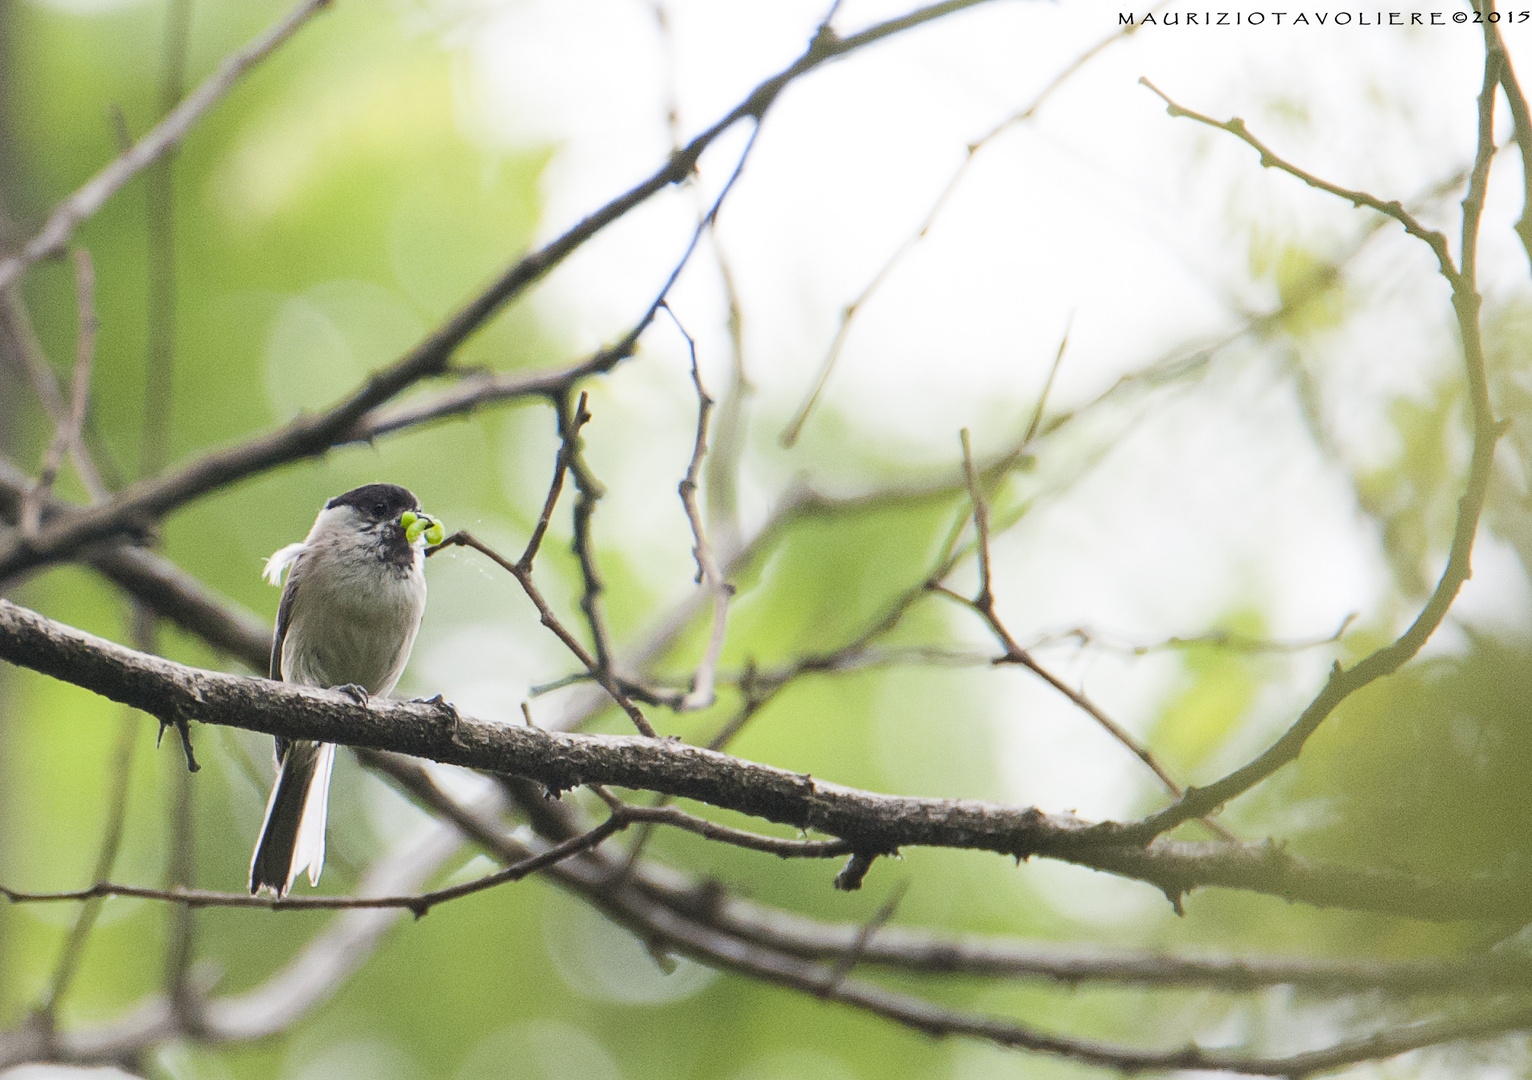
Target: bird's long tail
292, 836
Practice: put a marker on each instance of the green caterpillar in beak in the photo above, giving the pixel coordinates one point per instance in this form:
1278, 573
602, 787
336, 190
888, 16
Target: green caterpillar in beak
417, 525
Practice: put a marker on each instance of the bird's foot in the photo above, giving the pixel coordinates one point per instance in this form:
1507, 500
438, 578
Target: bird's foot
446, 708
356, 693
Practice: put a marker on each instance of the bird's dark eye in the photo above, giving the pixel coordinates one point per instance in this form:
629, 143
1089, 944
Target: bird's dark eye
380, 510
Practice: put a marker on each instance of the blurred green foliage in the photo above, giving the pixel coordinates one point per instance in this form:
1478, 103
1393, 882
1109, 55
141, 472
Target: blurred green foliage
1412, 497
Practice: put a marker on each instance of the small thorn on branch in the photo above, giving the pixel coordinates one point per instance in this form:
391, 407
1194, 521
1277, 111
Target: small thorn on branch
850, 877
183, 729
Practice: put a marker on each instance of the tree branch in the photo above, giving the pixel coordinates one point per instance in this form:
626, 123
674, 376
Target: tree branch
630, 901
1394, 209
304, 983
523, 576
849, 313
1343, 682
313, 434
702, 693
70, 425
870, 822
60, 226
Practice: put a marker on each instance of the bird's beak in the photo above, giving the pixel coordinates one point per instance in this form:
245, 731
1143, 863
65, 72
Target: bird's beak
421, 525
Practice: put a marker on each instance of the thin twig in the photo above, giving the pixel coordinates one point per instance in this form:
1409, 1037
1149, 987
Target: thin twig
709, 940
418, 904
1053, 372
1522, 119
849, 313
1343, 682
748, 710
523, 576
18, 326
69, 426
106, 857
159, 198
984, 605
1394, 208
723, 463
568, 460
848, 960
180, 863
55, 233
560, 468
702, 693
583, 542
1230, 640
623, 815
712, 830
314, 434
306, 981
985, 600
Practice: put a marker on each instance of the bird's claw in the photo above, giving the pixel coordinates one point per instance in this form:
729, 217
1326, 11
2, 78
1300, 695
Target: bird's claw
356, 693
444, 706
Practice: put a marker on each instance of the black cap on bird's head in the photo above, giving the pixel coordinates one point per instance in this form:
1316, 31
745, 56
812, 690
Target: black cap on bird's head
383, 502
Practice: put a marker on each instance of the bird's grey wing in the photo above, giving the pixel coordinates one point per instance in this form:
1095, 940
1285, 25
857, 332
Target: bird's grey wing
284, 617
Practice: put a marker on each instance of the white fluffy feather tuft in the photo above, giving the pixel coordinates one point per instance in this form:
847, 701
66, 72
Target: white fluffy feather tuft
280, 560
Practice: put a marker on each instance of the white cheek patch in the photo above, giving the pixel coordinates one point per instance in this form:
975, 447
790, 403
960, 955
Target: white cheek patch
280, 560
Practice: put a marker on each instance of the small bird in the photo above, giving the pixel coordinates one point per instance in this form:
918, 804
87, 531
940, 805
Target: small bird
355, 592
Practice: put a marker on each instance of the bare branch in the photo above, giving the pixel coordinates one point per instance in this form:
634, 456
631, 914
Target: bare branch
583, 543
181, 860
569, 460
1218, 639
1522, 118
664, 926
622, 816
340, 949
849, 313
984, 605
18, 326
157, 582
1343, 682
159, 193
60, 226
69, 425
870, 822
702, 693
848, 959
307, 981
711, 830
313, 434
1042, 397
560, 468
418, 904
523, 577
920, 951
985, 601
917, 950
1394, 209
106, 858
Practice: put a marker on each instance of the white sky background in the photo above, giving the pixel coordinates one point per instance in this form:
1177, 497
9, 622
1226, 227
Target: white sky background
1103, 209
